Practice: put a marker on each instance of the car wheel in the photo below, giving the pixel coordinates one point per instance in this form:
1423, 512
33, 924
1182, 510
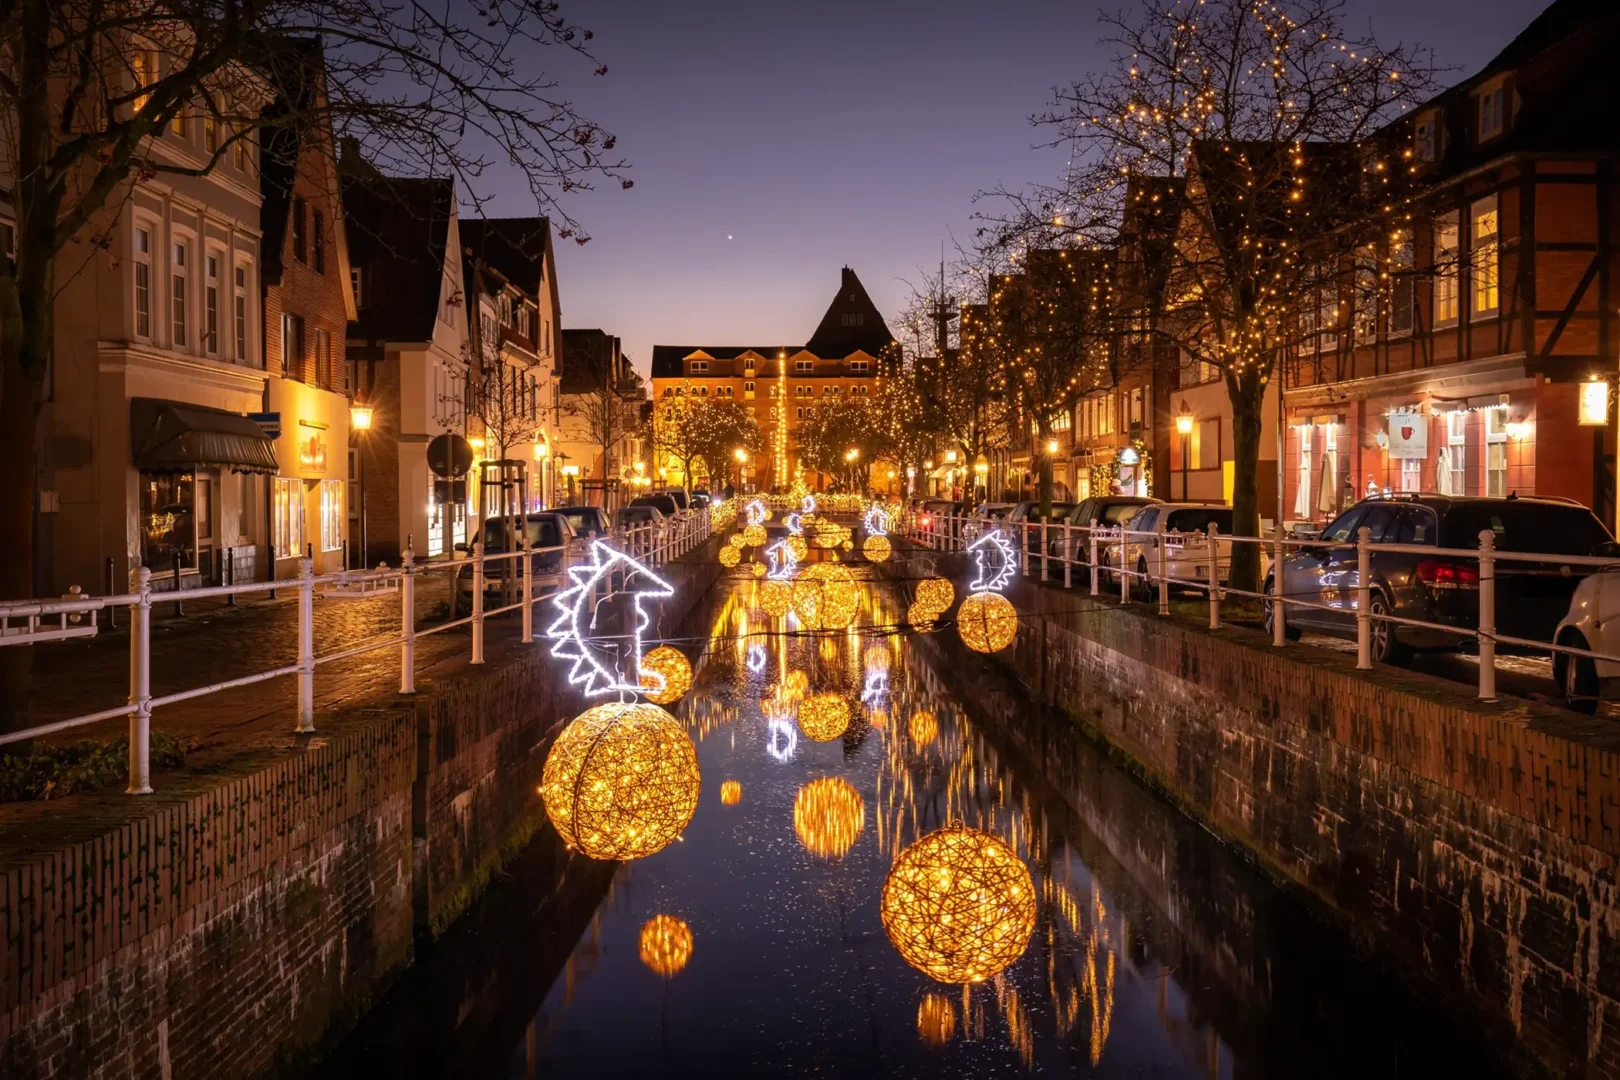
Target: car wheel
1386, 647
1576, 676
1290, 631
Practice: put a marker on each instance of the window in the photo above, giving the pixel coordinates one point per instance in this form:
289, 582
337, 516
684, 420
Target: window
143, 282
748, 390
1343, 529
168, 521
292, 346
1402, 293
300, 247
1206, 444
727, 391
1496, 451
144, 64
1426, 137
357, 282
1492, 115
323, 360
1452, 469
1327, 312
317, 237
240, 310
1302, 492
332, 515
857, 366
803, 367
1364, 309
179, 283
800, 413
828, 391
239, 150
803, 391
1485, 258
1411, 474
700, 367
856, 319
211, 128
211, 305
287, 526
177, 123
1136, 407
1445, 269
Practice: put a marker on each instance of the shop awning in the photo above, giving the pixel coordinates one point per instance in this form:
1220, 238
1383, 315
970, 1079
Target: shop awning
172, 437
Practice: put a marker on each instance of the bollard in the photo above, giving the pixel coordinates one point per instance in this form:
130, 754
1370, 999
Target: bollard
407, 603
1279, 613
306, 646
1096, 577
1163, 561
477, 602
140, 683
1124, 578
230, 574
1068, 555
528, 591
178, 610
1487, 616
1363, 599
1214, 551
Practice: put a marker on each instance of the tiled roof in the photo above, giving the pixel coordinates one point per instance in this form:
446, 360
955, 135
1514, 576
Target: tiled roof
397, 229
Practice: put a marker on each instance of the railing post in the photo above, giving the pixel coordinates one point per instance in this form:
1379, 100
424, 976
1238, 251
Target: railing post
1487, 616
1096, 575
306, 646
1124, 578
1164, 574
528, 590
112, 587
1363, 598
1023, 544
1068, 555
478, 602
140, 683
1045, 554
1214, 552
407, 625
1279, 611
230, 574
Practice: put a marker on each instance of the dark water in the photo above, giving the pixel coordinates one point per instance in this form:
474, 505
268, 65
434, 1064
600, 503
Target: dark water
1156, 953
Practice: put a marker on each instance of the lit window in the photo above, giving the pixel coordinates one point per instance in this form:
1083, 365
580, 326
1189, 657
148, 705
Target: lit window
144, 64
288, 513
1484, 270
143, 283
332, 516
1445, 269
1496, 451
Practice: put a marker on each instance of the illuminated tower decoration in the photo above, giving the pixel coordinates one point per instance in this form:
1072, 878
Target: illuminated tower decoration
987, 620
781, 457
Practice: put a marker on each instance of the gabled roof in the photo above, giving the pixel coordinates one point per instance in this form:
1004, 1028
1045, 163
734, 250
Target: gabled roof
517, 247
590, 356
667, 359
397, 231
852, 322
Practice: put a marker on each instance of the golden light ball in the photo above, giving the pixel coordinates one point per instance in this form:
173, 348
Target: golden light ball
621, 781
776, 597
935, 593
959, 905
666, 945
730, 556
735, 540
921, 617
757, 569
877, 548
800, 549
848, 545
826, 597
798, 682
754, 535
730, 793
828, 814
676, 670
924, 727
824, 717
987, 622
877, 658
936, 1019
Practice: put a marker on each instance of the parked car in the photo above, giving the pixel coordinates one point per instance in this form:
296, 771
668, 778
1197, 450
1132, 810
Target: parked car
664, 504
548, 531
1108, 511
1028, 513
932, 510
700, 500
1533, 600
682, 501
637, 515
1183, 530
588, 522
996, 511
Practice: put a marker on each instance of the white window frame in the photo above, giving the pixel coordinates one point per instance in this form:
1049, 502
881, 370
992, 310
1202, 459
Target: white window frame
804, 367
1496, 455
141, 260
1457, 445
700, 367
182, 253
1447, 291
1411, 474
1485, 257
213, 260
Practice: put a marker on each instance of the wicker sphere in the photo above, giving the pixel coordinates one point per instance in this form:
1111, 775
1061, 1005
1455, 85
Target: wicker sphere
877, 658
936, 1019
730, 556
757, 569
959, 905
730, 793
800, 549
754, 536
921, 617
676, 670
826, 597
924, 727
877, 548
666, 945
848, 545
735, 540
621, 781
824, 717
828, 814
936, 594
776, 597
987, 622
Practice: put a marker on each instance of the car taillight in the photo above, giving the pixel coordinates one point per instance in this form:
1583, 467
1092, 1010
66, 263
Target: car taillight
926, 520
1438, 574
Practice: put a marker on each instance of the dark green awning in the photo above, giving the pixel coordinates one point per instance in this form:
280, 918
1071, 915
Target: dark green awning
171, 437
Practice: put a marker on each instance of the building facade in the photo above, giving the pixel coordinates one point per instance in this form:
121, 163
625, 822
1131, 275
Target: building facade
601, 453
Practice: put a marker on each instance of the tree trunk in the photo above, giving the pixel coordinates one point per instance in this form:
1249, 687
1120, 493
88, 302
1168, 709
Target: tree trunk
1044, 473
1247, 392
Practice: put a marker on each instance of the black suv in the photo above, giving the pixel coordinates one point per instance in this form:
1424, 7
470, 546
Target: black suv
1531, 598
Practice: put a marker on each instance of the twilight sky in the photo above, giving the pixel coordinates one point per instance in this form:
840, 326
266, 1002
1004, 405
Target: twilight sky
815, 134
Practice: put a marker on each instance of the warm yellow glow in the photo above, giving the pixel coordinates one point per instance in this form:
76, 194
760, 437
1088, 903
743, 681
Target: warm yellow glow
736, 540
824, 717
959, 905
950, 456
800, 549
730, 793
1594, 403
757, 569
540, 451
754, 536
740, 454
987, 622
476, 443
921, 617
826, 597
877, 548
621, 781
828, 814
936, 594
924, 727
676, 670
776, 597
666, 945
730, 556
1051, 446
360, 417
1184, 420
936, 1019
848, 545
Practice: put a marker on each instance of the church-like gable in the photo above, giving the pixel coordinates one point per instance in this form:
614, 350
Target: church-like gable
852, 324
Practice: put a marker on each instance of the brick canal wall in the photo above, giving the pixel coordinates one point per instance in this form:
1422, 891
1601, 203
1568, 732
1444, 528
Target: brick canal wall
238, 926
1472, 845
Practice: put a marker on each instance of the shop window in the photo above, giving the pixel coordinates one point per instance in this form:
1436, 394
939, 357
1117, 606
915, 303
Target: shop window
287, 525
1411, 478
1485, 258
1302, 493
1445, 269
331, 515
1496, 451
168, 521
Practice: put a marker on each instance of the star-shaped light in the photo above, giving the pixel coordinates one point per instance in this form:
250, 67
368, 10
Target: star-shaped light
994, 555
595, 667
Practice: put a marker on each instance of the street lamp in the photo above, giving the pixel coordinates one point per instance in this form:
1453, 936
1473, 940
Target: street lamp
1184, 426
1051, 447
742, 463
360, 416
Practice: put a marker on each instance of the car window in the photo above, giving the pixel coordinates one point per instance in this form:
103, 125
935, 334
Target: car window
1144, 519
1344, 526
1415, 525
1526, 526
543, 533
1115, 513
1379, 521
1199, 520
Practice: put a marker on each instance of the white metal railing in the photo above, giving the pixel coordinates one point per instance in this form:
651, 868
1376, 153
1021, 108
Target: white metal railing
1108, 548
35, 622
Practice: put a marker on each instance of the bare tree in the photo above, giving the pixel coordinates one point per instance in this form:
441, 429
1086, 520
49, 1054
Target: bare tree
693, 429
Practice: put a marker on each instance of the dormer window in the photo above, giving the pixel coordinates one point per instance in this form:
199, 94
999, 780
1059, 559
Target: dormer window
700, 367
1491, 110
857, 367
804, 367
1426, 137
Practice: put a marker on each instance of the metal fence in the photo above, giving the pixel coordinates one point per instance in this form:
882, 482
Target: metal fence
1109, 547
39, 622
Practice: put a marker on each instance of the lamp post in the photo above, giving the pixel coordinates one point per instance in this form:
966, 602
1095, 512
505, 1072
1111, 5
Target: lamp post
542, 450
360, 415
1184, 426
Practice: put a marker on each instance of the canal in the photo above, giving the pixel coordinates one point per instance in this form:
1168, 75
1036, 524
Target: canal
755, 945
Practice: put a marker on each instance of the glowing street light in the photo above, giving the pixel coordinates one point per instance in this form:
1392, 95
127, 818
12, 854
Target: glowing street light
1184, 426
360, 417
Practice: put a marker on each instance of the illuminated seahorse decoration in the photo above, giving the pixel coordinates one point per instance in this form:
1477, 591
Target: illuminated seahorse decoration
995, 557
783, 563
754, 512
877, 521
596, 668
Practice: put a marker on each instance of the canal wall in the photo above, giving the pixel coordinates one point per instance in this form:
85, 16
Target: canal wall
234, 925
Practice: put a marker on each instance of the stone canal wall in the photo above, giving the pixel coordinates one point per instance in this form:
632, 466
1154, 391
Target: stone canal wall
1472, 845
235, 925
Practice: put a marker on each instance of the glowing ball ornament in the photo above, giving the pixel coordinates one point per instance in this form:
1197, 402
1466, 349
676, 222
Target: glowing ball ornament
800, 549
848, 545
776, 597
666, 945
621, 781
935, 594
921, 617
936, 1019
730, 556
757, 569
826, 597
987, 622
828, 814
666, 675
959, 905
877, 548
754, 535
730, 793
924, 727
735, 540
824, 717
877, 658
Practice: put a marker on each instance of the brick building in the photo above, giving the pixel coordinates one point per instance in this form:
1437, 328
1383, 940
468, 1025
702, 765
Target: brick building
599, 446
